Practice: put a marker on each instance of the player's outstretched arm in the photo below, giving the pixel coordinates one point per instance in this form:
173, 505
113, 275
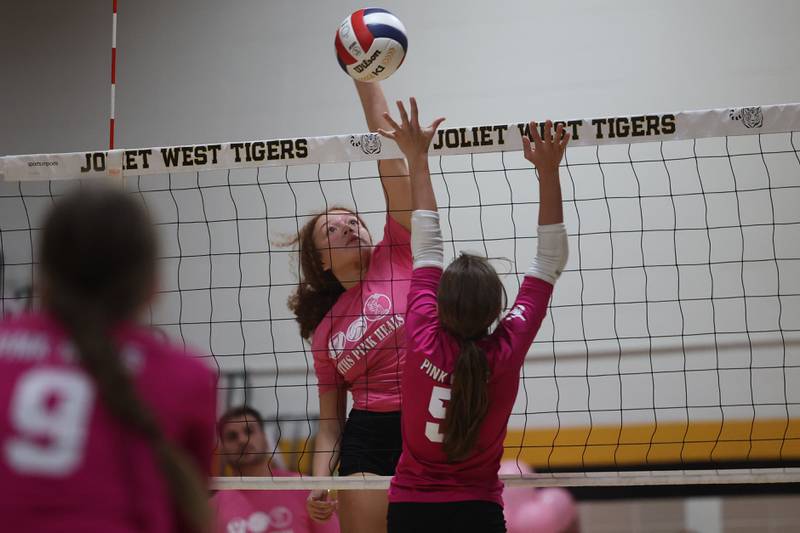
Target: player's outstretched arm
414, 141
394, 172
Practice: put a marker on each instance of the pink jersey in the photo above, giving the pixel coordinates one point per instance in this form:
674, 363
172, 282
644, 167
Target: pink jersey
267, 511
423, 473
360, 344
66, 464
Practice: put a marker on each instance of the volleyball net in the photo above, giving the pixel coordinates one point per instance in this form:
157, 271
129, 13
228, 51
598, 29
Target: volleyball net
671, 349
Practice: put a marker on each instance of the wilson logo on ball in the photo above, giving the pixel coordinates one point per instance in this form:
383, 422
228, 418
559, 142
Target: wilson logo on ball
371, 44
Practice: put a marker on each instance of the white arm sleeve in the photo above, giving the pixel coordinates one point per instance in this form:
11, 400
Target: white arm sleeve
551, 254
426, 239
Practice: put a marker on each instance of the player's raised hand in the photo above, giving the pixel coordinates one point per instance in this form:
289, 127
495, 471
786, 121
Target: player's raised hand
545, 153
412, 138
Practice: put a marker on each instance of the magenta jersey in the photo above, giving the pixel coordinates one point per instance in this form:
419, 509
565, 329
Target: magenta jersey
66, 464
360, 344
266, 511
423, 473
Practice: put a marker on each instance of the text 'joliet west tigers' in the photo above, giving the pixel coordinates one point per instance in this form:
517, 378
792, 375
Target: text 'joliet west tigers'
204, 154
600, 128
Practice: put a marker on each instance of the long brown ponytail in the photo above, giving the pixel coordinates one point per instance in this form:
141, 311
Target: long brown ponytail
470, 298
98, 260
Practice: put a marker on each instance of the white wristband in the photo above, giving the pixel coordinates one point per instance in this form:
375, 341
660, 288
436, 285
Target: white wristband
426, 239
551, 254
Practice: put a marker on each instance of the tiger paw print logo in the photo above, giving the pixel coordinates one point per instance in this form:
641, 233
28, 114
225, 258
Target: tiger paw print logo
751, 117
370, 143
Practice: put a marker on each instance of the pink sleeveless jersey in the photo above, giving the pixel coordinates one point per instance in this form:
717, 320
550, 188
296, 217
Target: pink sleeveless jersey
424, 473
66, 464
266, 511
360, 344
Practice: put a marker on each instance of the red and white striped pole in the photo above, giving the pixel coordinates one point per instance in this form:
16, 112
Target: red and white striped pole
113, 74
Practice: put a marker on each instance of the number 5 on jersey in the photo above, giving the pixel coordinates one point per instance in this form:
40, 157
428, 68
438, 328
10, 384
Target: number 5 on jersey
436, 408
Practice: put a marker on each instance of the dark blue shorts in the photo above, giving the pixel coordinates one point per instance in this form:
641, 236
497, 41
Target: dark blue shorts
371, 443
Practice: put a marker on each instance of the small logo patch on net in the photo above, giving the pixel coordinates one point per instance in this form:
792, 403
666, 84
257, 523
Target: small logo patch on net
751, 117
370, 143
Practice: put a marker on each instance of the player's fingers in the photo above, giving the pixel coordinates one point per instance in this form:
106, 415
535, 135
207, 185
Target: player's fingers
391, 121
527, 149
436, 123
565, 140
414, 112
534, 132
387, 134
403, 114
559, 133
548, 134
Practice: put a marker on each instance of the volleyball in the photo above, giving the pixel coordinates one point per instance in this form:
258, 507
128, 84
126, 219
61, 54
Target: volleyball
371, 44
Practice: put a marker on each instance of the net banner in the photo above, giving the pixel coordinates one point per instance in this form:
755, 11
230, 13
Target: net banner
371, 146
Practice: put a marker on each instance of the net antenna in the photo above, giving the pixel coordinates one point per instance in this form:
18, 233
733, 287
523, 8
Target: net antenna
113, 75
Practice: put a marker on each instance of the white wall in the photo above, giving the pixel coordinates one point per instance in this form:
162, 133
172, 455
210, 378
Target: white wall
201, 70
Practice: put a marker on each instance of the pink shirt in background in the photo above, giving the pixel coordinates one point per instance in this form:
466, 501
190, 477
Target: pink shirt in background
423, 473
266, 511
66, 464
361, 344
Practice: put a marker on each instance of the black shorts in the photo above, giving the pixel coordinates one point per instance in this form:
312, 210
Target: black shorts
371, 443
446, 517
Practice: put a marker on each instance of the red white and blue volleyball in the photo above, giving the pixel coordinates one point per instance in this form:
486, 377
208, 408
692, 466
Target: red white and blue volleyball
371, 44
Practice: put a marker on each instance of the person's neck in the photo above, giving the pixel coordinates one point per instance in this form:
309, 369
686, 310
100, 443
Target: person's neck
350, 276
